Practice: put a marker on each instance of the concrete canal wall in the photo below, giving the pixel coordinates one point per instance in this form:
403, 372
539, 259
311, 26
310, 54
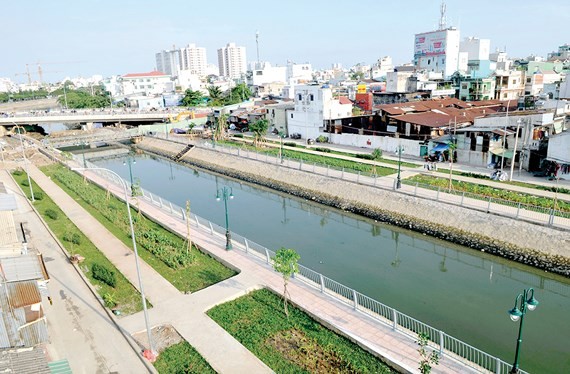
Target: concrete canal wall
530, 244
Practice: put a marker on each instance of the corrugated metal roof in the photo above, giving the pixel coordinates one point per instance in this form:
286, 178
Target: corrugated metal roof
24, 360
60, 367
23, 293
21, 268
8, 202
9, 243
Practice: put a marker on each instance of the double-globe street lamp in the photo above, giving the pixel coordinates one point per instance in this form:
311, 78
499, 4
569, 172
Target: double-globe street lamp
399, 150
25, 159
141, 288
523, 302
281, 136
131, 161
225, 193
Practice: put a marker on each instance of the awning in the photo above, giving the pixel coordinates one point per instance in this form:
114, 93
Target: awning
502, 132
440, 147
508, 153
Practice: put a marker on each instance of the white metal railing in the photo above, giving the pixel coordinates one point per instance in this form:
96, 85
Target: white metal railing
502, 207
409, 327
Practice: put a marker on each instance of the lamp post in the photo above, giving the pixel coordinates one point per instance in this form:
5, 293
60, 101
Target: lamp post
225, 193
25, 160
141, 288
130, 161
400, 149
83, 144
281, 136
527, 302
519, 121
505, 136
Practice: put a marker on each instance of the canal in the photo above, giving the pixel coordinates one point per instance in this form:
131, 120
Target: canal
461, 291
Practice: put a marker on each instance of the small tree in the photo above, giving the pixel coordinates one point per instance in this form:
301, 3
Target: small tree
221, 127
428, 358
285, 262
259, 129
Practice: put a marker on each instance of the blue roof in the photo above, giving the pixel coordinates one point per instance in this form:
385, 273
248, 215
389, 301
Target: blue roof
440, 147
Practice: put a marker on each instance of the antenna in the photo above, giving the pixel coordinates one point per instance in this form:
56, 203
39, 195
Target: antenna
442, 18
257, 45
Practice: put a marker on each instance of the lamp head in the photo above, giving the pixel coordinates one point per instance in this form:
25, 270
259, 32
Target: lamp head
532, 303
515, 314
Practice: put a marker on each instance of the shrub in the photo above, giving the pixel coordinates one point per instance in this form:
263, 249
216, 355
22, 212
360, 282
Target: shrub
321, 149
18, 172
322, 139
74, 238
39, 195
290, 144
103, 274
238, 136
25, 183
377, 154
53, 214
109, 300
364, 156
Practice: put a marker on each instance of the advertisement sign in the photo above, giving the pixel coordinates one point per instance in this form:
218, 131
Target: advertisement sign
430, 43
361, 88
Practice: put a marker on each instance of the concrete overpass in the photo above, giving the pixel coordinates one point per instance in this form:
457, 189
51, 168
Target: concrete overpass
86, 117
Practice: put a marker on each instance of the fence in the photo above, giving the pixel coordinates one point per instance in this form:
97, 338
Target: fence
447, 345
520, 211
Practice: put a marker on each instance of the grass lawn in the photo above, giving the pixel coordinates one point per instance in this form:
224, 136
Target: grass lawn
123, 296
487, 191
297, 344
158, 247
182, 358
336, 163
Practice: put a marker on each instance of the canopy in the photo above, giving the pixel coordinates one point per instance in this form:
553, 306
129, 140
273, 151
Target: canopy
440, 147
507, 153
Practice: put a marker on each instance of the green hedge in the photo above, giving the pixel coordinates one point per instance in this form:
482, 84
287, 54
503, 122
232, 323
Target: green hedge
103, 274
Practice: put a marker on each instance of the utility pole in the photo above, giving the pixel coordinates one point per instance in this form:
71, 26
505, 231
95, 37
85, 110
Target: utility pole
515, 151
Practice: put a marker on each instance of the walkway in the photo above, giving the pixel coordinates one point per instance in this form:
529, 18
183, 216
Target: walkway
186, 312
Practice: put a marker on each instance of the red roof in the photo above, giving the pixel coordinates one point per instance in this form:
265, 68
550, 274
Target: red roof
149, 74
344, 100
429, 119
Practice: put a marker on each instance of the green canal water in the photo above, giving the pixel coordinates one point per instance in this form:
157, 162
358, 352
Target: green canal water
463, 292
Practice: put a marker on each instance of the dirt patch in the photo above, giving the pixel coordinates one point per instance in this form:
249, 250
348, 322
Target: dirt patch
163, 337
306, 353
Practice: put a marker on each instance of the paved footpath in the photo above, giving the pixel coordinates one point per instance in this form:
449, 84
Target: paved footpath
187, 312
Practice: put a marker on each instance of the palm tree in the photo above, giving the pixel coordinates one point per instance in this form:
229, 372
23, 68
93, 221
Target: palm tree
215, 95
259, 128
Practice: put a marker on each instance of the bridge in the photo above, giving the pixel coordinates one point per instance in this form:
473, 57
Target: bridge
87, 139
103, 116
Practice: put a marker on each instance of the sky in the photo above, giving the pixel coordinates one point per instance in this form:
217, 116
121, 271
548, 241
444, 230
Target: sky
72, 38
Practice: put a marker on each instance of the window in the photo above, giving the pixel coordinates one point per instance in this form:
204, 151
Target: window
312, 97
291, 115
504, 96
299, 97
528, 80
259, 72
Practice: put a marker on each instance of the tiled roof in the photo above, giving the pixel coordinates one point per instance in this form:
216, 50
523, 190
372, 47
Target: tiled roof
429, 119
344, 100
24, 360
141, 75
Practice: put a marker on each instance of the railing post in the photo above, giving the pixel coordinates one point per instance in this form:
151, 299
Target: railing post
375, 179
322, 283
342, 174
267, 256
518, 210
462, 197
160, 201
498, 365
394, 319
327, 170
171, 209
197, 222
183, 214
300, 164
355, 298
292, 271
238, 152
441, 343
489, 205
551, 217
358, 177
314, 166
437, 196
211, 228
416, 189
151, 197
246, 245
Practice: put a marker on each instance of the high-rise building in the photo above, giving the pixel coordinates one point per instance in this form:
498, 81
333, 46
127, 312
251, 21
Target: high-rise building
232, 61
194, 59
437, 51
168, 62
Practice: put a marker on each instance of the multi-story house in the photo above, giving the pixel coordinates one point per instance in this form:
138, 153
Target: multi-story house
193, 58
232, 61
151, 83
168, 61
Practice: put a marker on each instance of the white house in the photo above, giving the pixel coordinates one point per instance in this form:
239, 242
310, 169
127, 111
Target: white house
151, 83
264, 73
314, 105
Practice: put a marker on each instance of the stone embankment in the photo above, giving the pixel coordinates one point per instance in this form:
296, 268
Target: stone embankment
530, 244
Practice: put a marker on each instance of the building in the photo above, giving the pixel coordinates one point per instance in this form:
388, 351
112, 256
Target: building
263, 73
299, 73
509, 85
193, 58
277, 115
437, 51
151, 83
476, 89
232, 61
168, 61
314, 108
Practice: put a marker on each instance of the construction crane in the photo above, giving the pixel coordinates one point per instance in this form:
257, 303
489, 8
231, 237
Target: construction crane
27, 73
40, 70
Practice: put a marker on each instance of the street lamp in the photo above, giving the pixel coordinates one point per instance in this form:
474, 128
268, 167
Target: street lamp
226, 193
25, 160
83, 144
527, 301
130, 161
124, 184
281, 136
400, 149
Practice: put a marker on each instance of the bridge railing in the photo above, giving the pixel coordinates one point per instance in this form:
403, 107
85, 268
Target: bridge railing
409, 327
